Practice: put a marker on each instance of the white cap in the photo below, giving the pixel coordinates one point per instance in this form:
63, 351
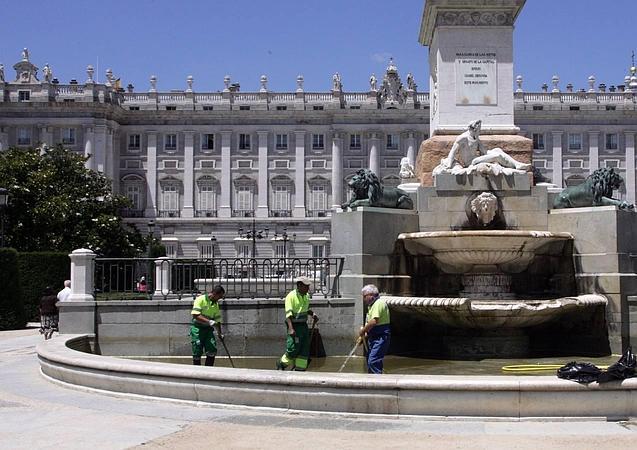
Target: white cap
305, 280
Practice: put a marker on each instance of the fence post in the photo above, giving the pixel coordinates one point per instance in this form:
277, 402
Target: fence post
77, 312
162, 276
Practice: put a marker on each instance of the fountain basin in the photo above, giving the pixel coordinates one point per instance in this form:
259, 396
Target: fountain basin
490, 314
481, 251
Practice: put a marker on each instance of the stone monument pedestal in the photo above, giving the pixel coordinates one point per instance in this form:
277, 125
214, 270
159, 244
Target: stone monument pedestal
437, 147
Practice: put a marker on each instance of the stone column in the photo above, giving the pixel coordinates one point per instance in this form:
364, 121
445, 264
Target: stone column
557, 159
262, 205
630, 166
299, 175
88, 147
337, 171
225, 210
82, 270
411, 148
374, 157
189, 174
151, 174
593, 151
100, 148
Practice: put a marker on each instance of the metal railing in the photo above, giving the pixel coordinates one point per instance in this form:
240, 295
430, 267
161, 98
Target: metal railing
177, 278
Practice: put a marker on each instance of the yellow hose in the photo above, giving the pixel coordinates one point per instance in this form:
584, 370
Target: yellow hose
536, 367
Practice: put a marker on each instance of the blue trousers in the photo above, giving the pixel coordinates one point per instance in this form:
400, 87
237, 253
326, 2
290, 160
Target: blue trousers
378, 346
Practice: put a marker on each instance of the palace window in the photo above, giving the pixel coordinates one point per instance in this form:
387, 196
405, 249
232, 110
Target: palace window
24, 96
611, 141
392, 142
134, 194
318, 251
281, 141
244, 108
171, 108
24, 136
280, 198
208, 108
244, 141
170, 200
68, 136
207, 197
318, 141
614, 163
318, 197
318, 108
354, 164
355, 141
134, 141
170, 142
538, 141
244, 199
281, 108
208, 142
574, 141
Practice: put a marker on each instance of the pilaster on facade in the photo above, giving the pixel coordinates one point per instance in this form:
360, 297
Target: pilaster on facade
151, 174
109, 160
557, 159
225, 209
593, 151
299, 175
337, 170
188, 209
630, 166
262, 206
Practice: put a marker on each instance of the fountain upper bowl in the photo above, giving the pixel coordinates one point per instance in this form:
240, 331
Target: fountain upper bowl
508, 251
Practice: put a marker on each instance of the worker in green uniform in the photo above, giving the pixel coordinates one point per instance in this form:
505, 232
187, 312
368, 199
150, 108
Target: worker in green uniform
297, 348
206, 316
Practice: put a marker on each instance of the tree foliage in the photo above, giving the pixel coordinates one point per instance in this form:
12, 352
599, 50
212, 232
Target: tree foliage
57, 204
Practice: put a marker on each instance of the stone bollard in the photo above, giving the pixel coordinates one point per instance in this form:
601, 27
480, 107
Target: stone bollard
162, 276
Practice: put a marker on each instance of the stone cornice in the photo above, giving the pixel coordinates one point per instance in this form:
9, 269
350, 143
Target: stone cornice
473, 13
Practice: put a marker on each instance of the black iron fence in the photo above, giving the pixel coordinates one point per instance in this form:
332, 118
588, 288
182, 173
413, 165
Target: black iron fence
145, 278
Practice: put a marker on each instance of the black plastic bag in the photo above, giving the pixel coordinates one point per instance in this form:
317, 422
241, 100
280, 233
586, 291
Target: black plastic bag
622, 369
582, 372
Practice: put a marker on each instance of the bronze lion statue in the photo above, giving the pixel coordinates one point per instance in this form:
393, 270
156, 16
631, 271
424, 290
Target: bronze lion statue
596, 190
369, 191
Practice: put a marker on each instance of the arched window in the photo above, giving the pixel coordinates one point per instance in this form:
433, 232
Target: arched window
170, 192
317, 204
281, 196
244, 189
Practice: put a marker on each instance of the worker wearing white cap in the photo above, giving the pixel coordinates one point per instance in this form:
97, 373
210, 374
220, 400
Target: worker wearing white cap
297, 304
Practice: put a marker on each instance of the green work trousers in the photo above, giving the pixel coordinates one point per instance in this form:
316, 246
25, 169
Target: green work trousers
297, 347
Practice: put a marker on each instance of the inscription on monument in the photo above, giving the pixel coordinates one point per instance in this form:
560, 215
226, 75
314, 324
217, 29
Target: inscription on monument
476, 78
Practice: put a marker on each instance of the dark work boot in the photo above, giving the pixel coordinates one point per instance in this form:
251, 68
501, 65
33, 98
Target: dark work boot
196, 360
210, 361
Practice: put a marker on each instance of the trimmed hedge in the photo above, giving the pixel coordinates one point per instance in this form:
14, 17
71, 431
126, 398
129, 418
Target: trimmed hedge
12, 314
37, 271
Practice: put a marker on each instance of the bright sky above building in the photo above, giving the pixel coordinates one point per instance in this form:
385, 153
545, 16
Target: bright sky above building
284, 38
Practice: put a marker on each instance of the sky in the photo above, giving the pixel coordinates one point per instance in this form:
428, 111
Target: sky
281, 39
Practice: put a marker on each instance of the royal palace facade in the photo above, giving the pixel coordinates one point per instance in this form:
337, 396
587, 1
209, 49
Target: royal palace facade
233, 173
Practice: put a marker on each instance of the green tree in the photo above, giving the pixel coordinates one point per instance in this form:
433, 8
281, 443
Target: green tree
57, 204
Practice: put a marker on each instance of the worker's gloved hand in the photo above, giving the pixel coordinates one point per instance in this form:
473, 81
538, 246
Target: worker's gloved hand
291, 331
221, 336
361, 332
211, 323
315, 318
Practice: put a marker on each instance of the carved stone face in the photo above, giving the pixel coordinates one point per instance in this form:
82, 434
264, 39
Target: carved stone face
485, 207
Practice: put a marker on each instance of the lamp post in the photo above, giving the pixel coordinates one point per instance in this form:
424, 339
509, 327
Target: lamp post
253, 234
4, 199
213, 241
285, 238
151, 230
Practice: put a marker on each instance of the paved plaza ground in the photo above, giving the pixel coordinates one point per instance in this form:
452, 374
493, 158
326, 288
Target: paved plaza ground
38, 414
